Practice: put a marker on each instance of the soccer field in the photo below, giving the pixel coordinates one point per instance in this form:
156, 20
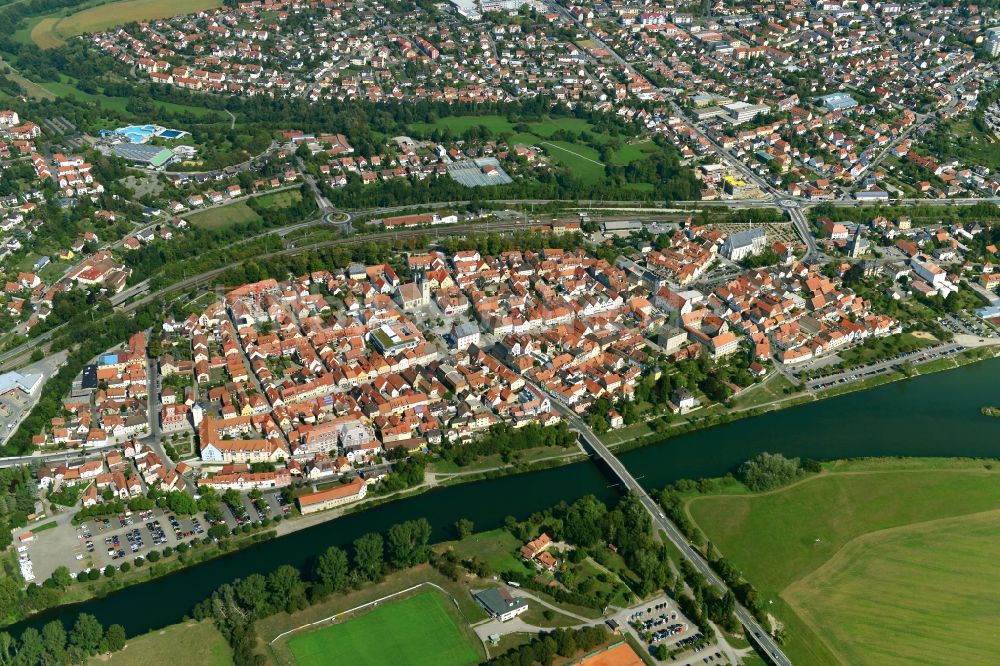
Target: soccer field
418, 631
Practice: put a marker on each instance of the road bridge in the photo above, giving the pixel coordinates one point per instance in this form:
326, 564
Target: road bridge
620, 474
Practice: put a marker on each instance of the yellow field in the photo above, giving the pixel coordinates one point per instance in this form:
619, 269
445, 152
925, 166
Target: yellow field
43, 34
51, 32
920, 594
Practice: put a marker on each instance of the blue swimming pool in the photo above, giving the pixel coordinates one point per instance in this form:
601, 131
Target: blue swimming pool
137, 133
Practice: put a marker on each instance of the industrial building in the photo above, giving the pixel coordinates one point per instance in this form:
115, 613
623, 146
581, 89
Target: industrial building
838, 101
153, 156
741, 112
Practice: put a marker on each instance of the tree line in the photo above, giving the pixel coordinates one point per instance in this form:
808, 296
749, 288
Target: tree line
236, 606
505, 440
55, 646
546, 647
17, 500
763, 472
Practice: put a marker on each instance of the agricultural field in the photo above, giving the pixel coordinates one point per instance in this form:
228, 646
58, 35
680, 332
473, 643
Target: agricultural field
223, 216
419, 630
52, 31
203, 646
932, 587
817, 553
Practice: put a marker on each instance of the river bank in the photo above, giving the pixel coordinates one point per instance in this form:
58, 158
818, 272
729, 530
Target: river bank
715, 416
178, 560
932, 415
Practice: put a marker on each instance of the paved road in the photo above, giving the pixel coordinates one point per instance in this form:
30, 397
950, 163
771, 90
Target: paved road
802, 228
155, 438
919, 356
754, 631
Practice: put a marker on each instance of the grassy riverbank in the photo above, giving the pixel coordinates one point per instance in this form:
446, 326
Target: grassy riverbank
202, 643
765, 398
872, 561
531, 460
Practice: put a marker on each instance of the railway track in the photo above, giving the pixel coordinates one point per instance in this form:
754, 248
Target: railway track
17, 356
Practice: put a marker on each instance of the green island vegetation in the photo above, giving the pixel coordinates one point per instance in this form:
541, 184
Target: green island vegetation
910, 541
990, 410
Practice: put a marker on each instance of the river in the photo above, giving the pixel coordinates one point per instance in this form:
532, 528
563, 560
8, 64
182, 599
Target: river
934, 415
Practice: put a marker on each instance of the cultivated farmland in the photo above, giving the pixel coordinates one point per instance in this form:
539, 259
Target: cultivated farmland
932, 587
54, 31
781, 539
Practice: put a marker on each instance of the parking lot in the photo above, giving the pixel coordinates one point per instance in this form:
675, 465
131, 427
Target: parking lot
660, 622
118, 539
269, 505
964, 323
882, 367
98, 542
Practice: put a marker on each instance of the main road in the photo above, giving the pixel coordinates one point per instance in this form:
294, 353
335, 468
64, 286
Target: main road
754, 630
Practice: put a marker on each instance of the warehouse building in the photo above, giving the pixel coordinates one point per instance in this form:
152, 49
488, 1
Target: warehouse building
143, 154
